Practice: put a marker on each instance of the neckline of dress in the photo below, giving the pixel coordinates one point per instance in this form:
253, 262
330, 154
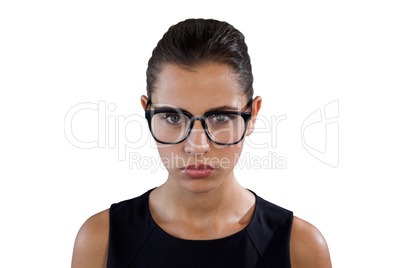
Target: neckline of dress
203, 240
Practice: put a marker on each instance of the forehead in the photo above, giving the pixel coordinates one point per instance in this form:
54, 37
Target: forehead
198, 89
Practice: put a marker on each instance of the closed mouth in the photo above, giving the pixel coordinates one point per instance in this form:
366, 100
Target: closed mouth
199, 166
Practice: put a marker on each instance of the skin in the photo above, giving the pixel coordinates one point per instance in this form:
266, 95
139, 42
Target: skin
201, 208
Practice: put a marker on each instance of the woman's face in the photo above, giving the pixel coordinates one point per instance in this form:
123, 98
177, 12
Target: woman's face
196, 91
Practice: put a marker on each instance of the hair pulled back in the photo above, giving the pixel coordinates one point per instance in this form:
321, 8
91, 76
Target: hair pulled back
194, 42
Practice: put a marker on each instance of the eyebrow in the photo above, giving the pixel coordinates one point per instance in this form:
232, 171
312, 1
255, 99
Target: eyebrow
215, 109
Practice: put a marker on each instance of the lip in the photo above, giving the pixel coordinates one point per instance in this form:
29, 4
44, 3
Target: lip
199, 166
198, 171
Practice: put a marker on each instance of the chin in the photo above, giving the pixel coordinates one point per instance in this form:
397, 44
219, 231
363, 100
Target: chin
198, 185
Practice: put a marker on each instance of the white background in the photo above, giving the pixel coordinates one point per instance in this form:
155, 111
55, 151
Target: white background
305, 54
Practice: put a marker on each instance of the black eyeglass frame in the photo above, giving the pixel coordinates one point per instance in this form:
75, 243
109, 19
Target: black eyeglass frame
245, 115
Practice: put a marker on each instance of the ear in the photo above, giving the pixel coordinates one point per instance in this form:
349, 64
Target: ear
255, 109
144, 101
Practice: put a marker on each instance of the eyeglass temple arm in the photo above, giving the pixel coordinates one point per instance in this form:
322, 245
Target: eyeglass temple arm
148, 104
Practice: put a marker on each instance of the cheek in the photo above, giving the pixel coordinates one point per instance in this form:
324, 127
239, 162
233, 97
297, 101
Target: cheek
169, 155
227, 157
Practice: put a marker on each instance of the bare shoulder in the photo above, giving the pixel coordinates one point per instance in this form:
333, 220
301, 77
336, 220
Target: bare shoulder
308, 247
91, 243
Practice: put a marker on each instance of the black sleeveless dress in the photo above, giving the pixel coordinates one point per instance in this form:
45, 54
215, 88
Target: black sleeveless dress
135, 240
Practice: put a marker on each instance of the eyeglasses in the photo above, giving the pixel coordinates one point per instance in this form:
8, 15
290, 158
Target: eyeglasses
171, 125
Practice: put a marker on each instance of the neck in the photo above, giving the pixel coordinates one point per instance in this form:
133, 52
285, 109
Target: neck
204, 206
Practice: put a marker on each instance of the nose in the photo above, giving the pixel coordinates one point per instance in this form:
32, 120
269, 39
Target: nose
197, 141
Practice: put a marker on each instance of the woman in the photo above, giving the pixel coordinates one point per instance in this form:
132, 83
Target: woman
199, 108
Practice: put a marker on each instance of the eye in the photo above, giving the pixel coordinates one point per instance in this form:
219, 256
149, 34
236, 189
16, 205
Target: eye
220, 118
172, 118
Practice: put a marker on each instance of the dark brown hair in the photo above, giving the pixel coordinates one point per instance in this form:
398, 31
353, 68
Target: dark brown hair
194, 42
